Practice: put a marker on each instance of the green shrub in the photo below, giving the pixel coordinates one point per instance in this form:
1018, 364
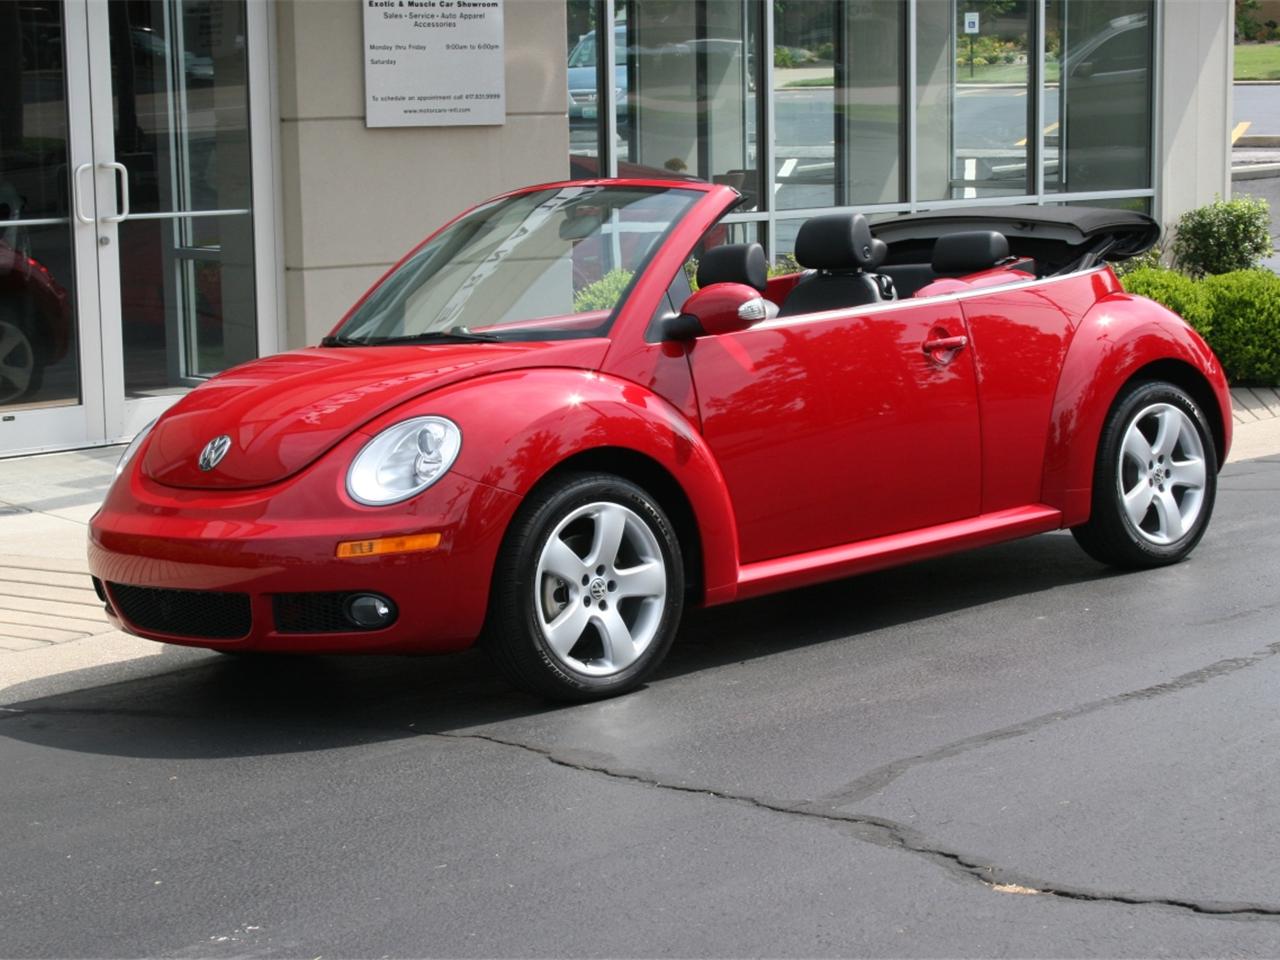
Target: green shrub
786, 263
1223, 236
604, 294
1184, 296
1245, 329
782, 57
1151, 260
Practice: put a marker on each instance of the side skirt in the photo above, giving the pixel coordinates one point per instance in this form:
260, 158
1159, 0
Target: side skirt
833, 563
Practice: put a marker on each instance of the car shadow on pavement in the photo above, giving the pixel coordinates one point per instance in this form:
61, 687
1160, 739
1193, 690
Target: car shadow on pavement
217, 707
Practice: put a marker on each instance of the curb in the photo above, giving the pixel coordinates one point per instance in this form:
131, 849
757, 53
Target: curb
1256, 171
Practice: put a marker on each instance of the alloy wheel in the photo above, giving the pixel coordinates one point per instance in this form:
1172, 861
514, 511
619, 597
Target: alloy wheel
1161, 473
601, 588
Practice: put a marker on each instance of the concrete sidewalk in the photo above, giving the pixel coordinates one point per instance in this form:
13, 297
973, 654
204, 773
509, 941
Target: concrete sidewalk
52, 624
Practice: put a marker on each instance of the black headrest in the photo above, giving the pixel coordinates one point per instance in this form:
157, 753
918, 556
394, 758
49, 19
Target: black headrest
734, 263
838, 241
969, 251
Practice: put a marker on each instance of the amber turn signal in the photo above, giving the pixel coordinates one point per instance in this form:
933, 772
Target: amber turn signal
349, 549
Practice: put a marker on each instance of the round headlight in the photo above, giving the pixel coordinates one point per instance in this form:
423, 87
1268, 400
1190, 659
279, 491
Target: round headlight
403, 460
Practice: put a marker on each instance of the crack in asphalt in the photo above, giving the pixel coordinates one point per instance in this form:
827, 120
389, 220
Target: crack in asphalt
876, 780
891, 835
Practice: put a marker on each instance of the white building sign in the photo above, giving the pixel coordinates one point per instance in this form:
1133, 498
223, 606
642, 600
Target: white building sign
433, 63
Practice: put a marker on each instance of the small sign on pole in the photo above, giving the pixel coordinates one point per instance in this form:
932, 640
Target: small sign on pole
971, 23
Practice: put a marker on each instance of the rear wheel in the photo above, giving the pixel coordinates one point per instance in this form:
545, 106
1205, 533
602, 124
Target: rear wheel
588, 590
1155, 479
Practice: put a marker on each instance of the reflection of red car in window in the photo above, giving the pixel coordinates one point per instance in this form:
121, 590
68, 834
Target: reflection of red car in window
35, 323
482, 450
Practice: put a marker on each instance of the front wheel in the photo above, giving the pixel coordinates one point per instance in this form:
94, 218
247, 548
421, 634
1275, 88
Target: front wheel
588, 589
1154, 482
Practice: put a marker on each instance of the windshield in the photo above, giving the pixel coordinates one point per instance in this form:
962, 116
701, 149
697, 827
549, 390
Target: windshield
546, 265
584, 54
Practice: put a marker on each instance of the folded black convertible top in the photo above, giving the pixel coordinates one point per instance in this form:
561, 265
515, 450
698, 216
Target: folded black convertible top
1077, 227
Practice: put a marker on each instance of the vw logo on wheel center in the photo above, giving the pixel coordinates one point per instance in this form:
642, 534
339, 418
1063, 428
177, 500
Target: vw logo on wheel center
214, 451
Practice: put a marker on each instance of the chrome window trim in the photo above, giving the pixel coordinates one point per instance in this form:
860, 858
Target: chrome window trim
874, 309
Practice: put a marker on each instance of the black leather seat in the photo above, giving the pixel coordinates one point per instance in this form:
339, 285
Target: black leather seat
969, 251
734, 263
840, 250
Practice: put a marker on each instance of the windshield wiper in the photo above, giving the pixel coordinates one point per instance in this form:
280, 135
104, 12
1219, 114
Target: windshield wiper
457, 335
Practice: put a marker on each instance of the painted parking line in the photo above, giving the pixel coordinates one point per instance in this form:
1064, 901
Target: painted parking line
788, 167
1239, 129
1047, 130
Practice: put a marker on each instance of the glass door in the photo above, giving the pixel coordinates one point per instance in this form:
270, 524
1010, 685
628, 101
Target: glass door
50, 375
173, 140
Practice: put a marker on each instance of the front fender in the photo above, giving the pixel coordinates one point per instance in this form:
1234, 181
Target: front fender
519, 425
1120, 335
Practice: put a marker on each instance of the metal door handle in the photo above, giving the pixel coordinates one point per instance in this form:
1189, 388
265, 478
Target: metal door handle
75, 193
946, 343
122, 208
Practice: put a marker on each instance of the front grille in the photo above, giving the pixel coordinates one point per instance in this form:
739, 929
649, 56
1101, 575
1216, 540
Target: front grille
203, 614
321, 612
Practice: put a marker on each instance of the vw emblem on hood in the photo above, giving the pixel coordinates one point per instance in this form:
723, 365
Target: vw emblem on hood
214, 451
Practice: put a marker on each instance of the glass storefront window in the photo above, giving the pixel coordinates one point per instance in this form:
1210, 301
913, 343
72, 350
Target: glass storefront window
690, 86
1097, 96
837, 102
974, 79
687, 81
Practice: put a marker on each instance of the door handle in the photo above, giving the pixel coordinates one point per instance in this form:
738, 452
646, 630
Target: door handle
75, 193
122, 207
954, 344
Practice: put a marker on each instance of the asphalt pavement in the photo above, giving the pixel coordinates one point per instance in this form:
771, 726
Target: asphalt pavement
1009, 752
1258, 104
1266, 189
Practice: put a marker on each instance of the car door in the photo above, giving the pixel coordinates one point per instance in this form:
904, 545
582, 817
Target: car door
838, 427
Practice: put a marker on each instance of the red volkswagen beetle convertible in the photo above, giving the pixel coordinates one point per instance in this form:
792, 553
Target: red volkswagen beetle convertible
575, 409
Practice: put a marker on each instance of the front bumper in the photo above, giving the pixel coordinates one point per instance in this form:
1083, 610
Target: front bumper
271, 547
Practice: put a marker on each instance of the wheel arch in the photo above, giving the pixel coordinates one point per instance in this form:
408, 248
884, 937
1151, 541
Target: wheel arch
526, 434
1122, 340
1183, 375
645, 472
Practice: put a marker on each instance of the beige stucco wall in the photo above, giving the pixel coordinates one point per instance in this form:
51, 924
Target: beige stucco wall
354, 199
1195, 102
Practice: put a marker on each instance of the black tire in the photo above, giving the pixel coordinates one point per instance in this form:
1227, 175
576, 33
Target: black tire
1111, 535
521, 600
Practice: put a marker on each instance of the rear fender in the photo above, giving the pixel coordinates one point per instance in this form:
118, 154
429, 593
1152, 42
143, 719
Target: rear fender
1119, 336
520, 425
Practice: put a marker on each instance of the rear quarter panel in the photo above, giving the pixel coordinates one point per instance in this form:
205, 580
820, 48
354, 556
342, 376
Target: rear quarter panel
1020, 339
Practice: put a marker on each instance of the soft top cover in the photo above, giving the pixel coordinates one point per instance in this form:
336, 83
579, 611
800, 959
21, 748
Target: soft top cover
1075, 227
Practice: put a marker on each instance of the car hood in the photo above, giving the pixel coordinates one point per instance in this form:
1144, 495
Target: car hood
283, 412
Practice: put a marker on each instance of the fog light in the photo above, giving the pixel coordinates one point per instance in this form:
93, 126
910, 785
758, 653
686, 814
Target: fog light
368, 611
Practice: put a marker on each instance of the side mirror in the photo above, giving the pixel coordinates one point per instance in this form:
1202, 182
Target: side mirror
1085, 70
716, 309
